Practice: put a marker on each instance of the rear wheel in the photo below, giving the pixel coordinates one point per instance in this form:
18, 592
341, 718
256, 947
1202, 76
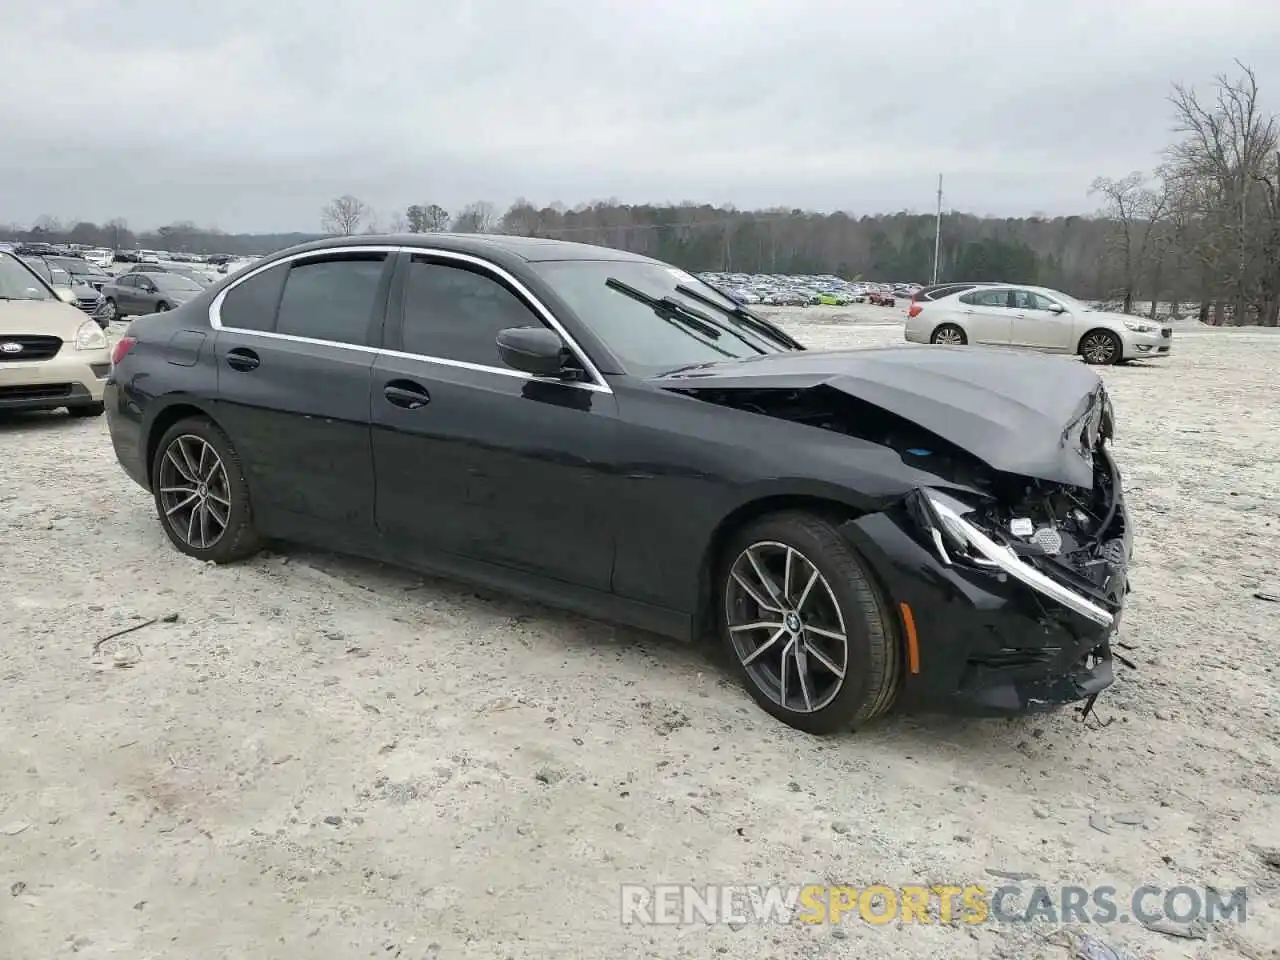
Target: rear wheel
201, 496
949, 335
1100, 347
805, 626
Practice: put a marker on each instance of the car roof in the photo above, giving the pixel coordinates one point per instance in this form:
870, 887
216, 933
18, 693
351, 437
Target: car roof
528, 249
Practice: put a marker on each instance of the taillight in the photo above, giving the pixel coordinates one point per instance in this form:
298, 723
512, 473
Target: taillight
123, 346
915, 310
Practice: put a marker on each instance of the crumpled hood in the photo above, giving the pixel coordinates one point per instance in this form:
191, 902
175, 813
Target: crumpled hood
1018, 412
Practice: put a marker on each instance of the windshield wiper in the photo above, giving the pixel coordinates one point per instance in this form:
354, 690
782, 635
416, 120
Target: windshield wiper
739, 312
667, 308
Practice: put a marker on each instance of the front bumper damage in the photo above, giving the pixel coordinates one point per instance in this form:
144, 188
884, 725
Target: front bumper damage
992, 640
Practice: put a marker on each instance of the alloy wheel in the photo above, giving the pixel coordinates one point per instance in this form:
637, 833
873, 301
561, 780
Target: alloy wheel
950, 337
1098, 348
195, 493
786, 626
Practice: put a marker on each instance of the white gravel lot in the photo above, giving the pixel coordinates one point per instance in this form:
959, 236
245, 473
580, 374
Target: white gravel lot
325, 758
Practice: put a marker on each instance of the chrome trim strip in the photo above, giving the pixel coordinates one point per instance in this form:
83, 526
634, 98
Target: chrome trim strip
1008, 561
600, 385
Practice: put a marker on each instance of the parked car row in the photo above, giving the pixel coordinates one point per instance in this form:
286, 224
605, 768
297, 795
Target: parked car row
786, 290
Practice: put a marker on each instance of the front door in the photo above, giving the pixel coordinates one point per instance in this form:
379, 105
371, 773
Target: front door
1036, 324
294, 350
476, 459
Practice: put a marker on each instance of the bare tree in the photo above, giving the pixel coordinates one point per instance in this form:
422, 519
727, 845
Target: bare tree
478, 217
344, 215
1226, 160
1135, 208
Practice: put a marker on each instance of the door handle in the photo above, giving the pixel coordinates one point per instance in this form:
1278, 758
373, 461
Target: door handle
406, 394
242, 359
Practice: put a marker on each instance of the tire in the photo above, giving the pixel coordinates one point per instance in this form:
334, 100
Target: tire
88, 409
162, 307
845, 596
225, 494
113, 311
1101, 347
948, 333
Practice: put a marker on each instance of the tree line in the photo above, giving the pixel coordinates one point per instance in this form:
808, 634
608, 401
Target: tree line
1203, 228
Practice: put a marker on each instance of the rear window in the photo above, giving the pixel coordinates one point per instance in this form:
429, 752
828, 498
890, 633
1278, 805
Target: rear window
251, 305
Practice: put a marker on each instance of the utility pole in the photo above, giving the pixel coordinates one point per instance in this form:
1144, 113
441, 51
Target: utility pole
937, 231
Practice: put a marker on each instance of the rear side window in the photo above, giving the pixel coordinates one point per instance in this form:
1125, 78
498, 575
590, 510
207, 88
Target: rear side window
251, 305
986, 298
331, 299
455, 314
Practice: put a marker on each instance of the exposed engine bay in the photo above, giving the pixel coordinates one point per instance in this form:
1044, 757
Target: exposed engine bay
1068, 532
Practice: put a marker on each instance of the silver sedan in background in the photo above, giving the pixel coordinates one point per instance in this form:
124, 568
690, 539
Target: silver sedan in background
1037, 318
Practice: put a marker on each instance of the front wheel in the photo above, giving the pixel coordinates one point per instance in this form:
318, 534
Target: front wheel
88, 410
805, 626
161, 307
1101, 347
201, 495
110, 311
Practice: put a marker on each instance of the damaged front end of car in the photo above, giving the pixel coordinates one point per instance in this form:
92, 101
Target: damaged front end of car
1013, 588
994, 514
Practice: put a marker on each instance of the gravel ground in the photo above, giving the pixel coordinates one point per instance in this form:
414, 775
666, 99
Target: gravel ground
324, 758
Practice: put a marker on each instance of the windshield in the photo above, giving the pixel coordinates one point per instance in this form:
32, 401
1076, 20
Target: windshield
174, 281
1071, 303
72, 265
17, 283
649, 341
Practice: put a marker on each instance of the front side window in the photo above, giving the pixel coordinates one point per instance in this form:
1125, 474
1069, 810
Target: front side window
455, 314
331, 299
1042, 302
251, 304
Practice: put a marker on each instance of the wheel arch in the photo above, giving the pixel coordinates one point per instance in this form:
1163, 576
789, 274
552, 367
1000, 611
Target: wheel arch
1092, 330
165, 418
738, 518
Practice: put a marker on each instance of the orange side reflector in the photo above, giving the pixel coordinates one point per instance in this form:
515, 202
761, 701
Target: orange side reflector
913, 644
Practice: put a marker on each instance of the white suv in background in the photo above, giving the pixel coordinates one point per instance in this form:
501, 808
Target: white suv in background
1037, 318
100, 257
51, 354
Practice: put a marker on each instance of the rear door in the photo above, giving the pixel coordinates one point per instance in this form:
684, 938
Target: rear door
987, 314
479, 460
295, 346
1036, 325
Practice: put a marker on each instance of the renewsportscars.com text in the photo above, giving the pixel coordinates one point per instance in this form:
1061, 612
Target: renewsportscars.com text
686, 904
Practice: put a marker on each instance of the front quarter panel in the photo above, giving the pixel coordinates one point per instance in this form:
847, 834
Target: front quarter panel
688, 465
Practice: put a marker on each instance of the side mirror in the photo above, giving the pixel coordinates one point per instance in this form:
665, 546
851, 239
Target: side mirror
534, 350
65, 294
1057, 308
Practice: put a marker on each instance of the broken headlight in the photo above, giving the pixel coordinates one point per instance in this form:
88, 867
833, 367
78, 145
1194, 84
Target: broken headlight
952, 525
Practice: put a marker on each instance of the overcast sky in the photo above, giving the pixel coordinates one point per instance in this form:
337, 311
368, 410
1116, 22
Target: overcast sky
251, 114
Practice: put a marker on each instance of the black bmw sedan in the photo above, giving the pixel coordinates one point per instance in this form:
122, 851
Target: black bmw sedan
918, 526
